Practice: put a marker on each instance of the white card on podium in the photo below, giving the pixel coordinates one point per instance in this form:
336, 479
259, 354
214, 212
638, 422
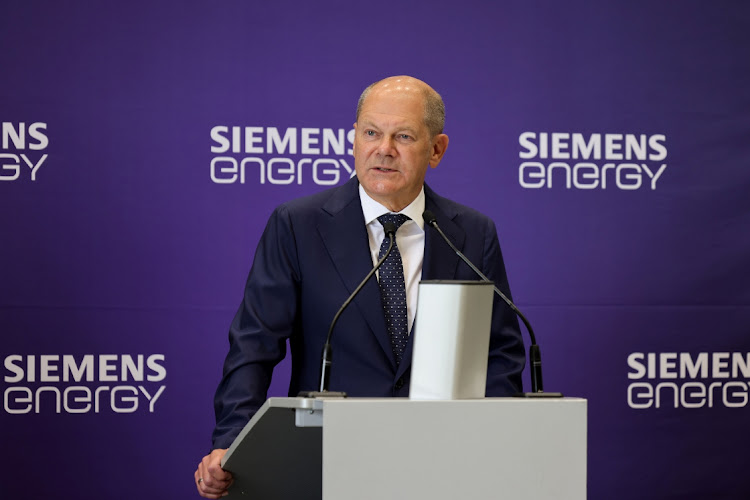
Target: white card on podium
451, 340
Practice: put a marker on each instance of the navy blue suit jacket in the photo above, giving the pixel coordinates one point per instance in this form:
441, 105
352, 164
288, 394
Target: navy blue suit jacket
313, 254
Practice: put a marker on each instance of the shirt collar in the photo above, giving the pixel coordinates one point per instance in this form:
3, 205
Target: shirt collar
372, 209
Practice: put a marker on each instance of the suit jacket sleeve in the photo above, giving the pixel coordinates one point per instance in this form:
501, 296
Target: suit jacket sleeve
258, 334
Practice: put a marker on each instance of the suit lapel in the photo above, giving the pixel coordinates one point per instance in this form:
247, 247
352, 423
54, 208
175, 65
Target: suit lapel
344, 235
440, 262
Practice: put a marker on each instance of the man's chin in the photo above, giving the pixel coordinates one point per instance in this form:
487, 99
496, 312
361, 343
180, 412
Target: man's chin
382, 188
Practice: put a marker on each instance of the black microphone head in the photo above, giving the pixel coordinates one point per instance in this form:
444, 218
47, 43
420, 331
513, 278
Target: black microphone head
429, 218
389, 228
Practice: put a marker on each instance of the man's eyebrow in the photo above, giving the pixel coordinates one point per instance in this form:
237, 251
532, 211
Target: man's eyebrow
401, 128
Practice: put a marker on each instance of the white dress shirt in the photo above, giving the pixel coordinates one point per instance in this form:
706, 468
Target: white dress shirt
409, 238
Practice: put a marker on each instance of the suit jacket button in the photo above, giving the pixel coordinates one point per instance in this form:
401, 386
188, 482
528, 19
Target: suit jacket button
399, 383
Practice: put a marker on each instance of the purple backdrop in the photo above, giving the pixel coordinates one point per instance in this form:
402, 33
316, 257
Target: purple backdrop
609, 142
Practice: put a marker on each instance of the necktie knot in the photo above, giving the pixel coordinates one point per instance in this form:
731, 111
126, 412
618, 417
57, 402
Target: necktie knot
395, 219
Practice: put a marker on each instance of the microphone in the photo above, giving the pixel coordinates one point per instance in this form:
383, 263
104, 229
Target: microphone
327, 358
535, 355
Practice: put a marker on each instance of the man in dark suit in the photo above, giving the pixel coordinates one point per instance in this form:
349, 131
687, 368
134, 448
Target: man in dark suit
316, 250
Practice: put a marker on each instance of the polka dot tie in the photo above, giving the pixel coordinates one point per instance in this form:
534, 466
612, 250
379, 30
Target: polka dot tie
393, 289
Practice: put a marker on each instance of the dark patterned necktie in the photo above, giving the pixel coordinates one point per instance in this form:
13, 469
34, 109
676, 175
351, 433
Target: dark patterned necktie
393, 289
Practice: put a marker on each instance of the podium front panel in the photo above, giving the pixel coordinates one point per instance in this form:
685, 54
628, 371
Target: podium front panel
511, 448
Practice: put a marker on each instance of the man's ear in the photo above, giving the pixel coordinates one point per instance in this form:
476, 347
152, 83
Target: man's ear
439, 145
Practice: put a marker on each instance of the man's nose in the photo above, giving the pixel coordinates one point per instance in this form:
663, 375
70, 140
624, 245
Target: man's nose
386, 146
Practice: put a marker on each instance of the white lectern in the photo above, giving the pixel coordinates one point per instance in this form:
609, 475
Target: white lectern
344, 449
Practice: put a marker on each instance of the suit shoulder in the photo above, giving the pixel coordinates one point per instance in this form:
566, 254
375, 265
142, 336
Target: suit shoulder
313, 203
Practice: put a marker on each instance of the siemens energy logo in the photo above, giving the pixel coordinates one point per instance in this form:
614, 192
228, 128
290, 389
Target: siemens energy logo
564, 160
687, 380
270, 155
21, 154
92, 383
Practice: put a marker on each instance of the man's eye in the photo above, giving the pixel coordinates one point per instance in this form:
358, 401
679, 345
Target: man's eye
404, 136
369, 132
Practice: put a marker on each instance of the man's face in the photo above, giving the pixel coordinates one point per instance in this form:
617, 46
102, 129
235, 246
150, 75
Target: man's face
393, 147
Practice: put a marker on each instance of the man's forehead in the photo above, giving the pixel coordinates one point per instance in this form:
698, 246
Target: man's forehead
392, 113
